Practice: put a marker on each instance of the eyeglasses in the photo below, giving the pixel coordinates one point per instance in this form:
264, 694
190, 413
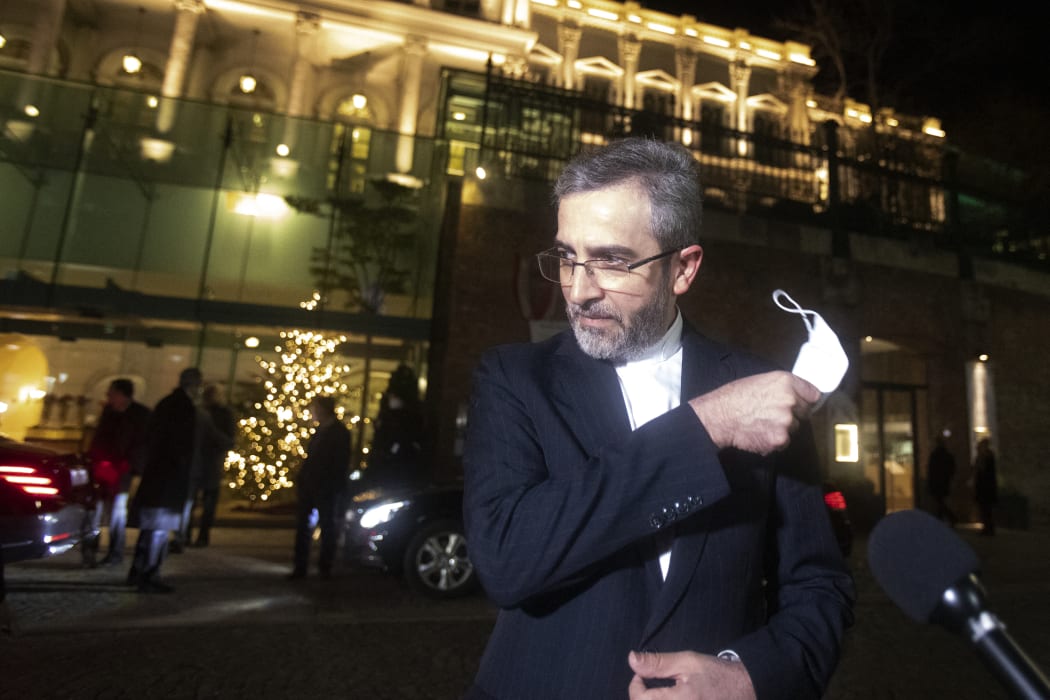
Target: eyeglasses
606, 273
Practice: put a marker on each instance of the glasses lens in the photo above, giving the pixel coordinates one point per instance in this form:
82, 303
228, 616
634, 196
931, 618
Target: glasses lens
550, 266
608, 274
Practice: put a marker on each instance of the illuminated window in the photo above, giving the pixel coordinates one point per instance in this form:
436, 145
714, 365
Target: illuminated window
847, 445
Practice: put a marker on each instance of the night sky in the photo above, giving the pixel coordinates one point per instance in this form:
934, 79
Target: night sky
980, 68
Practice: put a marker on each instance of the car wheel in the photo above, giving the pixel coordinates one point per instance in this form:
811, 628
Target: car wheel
436, 563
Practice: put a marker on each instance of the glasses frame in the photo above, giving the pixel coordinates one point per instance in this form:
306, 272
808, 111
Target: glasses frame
587, 265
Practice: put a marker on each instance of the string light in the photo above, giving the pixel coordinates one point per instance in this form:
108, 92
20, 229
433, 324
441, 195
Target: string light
273, 440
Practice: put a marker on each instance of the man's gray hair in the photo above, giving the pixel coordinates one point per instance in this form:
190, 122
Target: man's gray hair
668, 172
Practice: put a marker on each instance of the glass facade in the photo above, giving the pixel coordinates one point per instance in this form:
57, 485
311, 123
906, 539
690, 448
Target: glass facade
140, 235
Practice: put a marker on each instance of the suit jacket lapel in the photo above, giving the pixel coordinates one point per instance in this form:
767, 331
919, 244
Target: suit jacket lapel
587, 394
702, 371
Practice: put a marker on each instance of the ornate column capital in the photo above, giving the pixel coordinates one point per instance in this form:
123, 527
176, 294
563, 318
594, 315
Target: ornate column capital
415, 45
569, 35
194, 6
630, 48
739, 72
307, 22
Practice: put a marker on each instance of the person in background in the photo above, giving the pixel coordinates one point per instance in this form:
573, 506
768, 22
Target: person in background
116, 453
397, 448
173, 440
645, 504
939, 472
320, 485
213, 458
986, 485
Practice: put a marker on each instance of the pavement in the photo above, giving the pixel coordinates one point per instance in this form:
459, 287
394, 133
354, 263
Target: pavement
236, 628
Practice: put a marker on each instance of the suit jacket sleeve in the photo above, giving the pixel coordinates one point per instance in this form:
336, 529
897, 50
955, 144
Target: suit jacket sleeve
540, 512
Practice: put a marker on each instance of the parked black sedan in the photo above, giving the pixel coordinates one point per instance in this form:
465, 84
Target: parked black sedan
416, 531
44, 496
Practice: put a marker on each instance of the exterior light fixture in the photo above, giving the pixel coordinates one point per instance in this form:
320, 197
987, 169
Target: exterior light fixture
131, 62
283, 150
251, 342
359, 101
248, 81
3, 40
480, 172
983, 357
31, 111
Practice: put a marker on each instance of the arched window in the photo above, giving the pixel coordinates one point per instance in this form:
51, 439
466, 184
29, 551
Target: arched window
352, 137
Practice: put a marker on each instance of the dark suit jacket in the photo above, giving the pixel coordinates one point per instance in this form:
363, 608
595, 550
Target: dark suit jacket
170, 447
327, 464
562, 505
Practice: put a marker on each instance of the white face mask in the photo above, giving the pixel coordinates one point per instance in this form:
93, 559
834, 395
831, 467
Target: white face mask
821, 360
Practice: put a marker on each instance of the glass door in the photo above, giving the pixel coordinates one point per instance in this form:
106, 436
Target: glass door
890, 423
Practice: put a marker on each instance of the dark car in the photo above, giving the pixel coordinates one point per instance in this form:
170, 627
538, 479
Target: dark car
416, 531
44, 497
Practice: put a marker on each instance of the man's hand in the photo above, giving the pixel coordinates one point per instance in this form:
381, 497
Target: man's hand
756, 413
695, 675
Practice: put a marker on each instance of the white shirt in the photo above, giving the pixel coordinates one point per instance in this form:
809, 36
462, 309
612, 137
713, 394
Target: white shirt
651, 387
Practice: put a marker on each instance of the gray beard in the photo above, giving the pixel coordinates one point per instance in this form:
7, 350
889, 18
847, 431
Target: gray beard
627, 341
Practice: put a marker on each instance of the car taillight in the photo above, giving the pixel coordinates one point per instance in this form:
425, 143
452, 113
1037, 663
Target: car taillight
835, 500
29, 479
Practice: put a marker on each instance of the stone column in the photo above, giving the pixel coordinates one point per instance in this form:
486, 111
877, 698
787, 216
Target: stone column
630, 49
569, 48
45, 36
187, 15
740, 77
411, 80
514, 13
798, 90
301, 82
685, 71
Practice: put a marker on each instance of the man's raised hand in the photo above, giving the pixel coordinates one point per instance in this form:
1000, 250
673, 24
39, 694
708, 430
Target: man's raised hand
757, 413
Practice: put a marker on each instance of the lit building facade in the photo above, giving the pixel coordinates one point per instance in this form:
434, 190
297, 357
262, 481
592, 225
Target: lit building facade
180, 181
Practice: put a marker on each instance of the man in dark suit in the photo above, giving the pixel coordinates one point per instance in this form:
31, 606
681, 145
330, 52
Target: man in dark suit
640, 501
320, 485
173, 439
118, 447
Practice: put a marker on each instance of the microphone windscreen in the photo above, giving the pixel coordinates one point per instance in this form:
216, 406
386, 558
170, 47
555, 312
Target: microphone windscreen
916, 558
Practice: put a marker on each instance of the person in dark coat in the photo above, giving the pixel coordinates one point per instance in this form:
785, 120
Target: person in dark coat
116, 453
214, 450
320, 485
397, 448
986, 485
172, 447
939, 472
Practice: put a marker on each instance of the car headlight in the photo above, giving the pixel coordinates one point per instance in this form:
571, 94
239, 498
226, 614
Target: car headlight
379, 514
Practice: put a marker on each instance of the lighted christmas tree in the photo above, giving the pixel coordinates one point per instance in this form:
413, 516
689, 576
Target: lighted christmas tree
276, 428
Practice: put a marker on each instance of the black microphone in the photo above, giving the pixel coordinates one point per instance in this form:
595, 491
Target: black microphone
931, 574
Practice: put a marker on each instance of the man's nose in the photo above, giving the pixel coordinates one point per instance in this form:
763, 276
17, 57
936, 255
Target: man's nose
583, 287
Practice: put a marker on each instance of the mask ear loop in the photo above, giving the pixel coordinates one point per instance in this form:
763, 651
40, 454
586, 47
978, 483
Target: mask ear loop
796, 310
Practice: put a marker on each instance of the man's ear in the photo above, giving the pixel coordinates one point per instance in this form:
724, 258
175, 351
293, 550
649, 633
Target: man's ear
687, 267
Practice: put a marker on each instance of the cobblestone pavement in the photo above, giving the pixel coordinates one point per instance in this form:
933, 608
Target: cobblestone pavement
235, 628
